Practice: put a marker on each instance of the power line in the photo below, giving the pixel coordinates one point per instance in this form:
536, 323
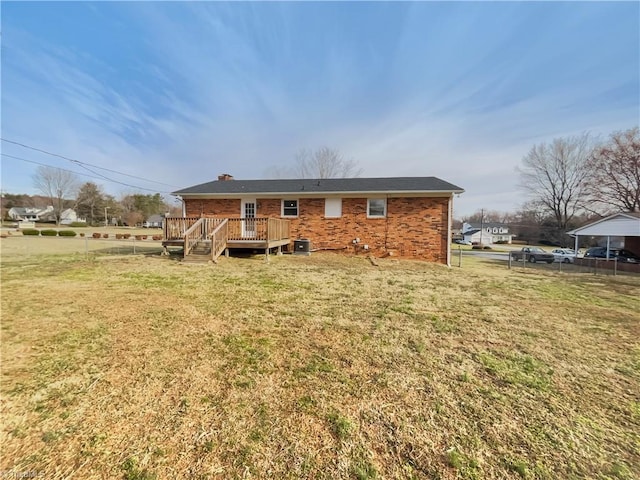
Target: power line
82, 164
99, 177
47, 165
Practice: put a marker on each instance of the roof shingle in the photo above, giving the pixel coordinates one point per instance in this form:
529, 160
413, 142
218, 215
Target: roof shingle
326, 185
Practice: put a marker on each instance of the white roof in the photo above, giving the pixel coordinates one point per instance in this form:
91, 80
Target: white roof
617, 225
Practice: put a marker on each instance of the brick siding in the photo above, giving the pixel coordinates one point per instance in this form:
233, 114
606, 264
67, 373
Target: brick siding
414, 227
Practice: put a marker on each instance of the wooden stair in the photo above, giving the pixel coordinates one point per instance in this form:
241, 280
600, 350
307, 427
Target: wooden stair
201, 253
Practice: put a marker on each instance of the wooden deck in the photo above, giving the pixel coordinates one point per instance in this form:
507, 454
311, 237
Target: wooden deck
215, 235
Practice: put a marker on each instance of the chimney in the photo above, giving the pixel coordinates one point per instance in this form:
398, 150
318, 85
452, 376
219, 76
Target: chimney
224, 177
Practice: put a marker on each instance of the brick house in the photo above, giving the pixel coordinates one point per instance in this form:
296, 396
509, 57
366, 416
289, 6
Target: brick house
408, 216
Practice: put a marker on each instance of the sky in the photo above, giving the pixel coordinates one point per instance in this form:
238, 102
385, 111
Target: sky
173, 94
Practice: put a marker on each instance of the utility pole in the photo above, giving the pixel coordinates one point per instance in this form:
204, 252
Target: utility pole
106, 219
481, 226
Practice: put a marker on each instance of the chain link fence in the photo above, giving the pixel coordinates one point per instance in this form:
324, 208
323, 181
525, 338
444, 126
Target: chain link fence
594, 266
19, 246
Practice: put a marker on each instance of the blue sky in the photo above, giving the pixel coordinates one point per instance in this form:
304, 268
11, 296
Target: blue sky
180, 92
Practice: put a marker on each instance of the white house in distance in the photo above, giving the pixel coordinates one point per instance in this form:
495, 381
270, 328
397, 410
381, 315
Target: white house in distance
29, 214
486, 233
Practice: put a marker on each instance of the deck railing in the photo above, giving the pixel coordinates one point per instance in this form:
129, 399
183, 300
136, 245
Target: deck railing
277, 229
175, 227
200, 230
259, 229
190, 230
219, 238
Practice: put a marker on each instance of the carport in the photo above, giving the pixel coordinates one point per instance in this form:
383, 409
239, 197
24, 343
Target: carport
625, 225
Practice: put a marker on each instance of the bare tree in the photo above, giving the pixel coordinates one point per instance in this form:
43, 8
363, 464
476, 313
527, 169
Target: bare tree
323, 163
614, 179
488, 216
554, 175
56, 184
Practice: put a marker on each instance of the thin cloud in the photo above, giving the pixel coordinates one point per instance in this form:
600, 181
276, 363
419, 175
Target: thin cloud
457, 91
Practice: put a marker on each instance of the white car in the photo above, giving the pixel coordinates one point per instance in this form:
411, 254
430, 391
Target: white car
564, 255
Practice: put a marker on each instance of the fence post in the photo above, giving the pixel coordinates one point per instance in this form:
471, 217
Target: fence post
459, 257
134, 244
86, 247
615, 266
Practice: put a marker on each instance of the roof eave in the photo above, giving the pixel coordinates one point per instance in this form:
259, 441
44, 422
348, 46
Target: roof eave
307, 193
575, 231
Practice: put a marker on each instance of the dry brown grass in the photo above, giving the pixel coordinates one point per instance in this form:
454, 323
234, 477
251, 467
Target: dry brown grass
316, 367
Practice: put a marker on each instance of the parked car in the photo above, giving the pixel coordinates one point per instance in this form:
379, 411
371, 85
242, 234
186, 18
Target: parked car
619, 254
533, 255
462, 242
564, 255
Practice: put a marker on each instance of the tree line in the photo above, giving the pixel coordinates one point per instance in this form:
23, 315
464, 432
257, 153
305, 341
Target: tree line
571, 181
62, 190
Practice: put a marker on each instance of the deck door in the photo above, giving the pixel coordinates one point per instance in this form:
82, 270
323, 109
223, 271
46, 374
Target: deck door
248, 214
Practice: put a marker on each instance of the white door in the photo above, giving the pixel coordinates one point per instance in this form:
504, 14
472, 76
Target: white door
248, 214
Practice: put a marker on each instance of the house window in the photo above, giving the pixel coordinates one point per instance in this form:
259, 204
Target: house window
332, 207
376, 208
289, 208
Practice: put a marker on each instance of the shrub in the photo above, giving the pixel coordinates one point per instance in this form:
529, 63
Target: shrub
96, 235
49, 233
486, 247
144, 237
119, 236
67, 233
157, 237
138, 237
105, 235
78, 224
82, 234
126, 235
30, 231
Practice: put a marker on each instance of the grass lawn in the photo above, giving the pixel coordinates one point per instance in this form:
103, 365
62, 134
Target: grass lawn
316, 367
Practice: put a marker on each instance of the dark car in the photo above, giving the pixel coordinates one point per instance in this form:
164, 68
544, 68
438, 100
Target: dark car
533, 255
619, 254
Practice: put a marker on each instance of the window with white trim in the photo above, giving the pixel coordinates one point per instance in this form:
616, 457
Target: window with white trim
289, 208
332, 207
376, 207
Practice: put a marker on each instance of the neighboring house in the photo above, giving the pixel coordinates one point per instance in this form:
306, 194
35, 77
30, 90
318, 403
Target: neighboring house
70, 216
486, 233
409, 216
29, 214
620, 229
154, 221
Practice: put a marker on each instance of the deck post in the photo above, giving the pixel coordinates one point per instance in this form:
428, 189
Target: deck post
226, 252
279, 249
266, 254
